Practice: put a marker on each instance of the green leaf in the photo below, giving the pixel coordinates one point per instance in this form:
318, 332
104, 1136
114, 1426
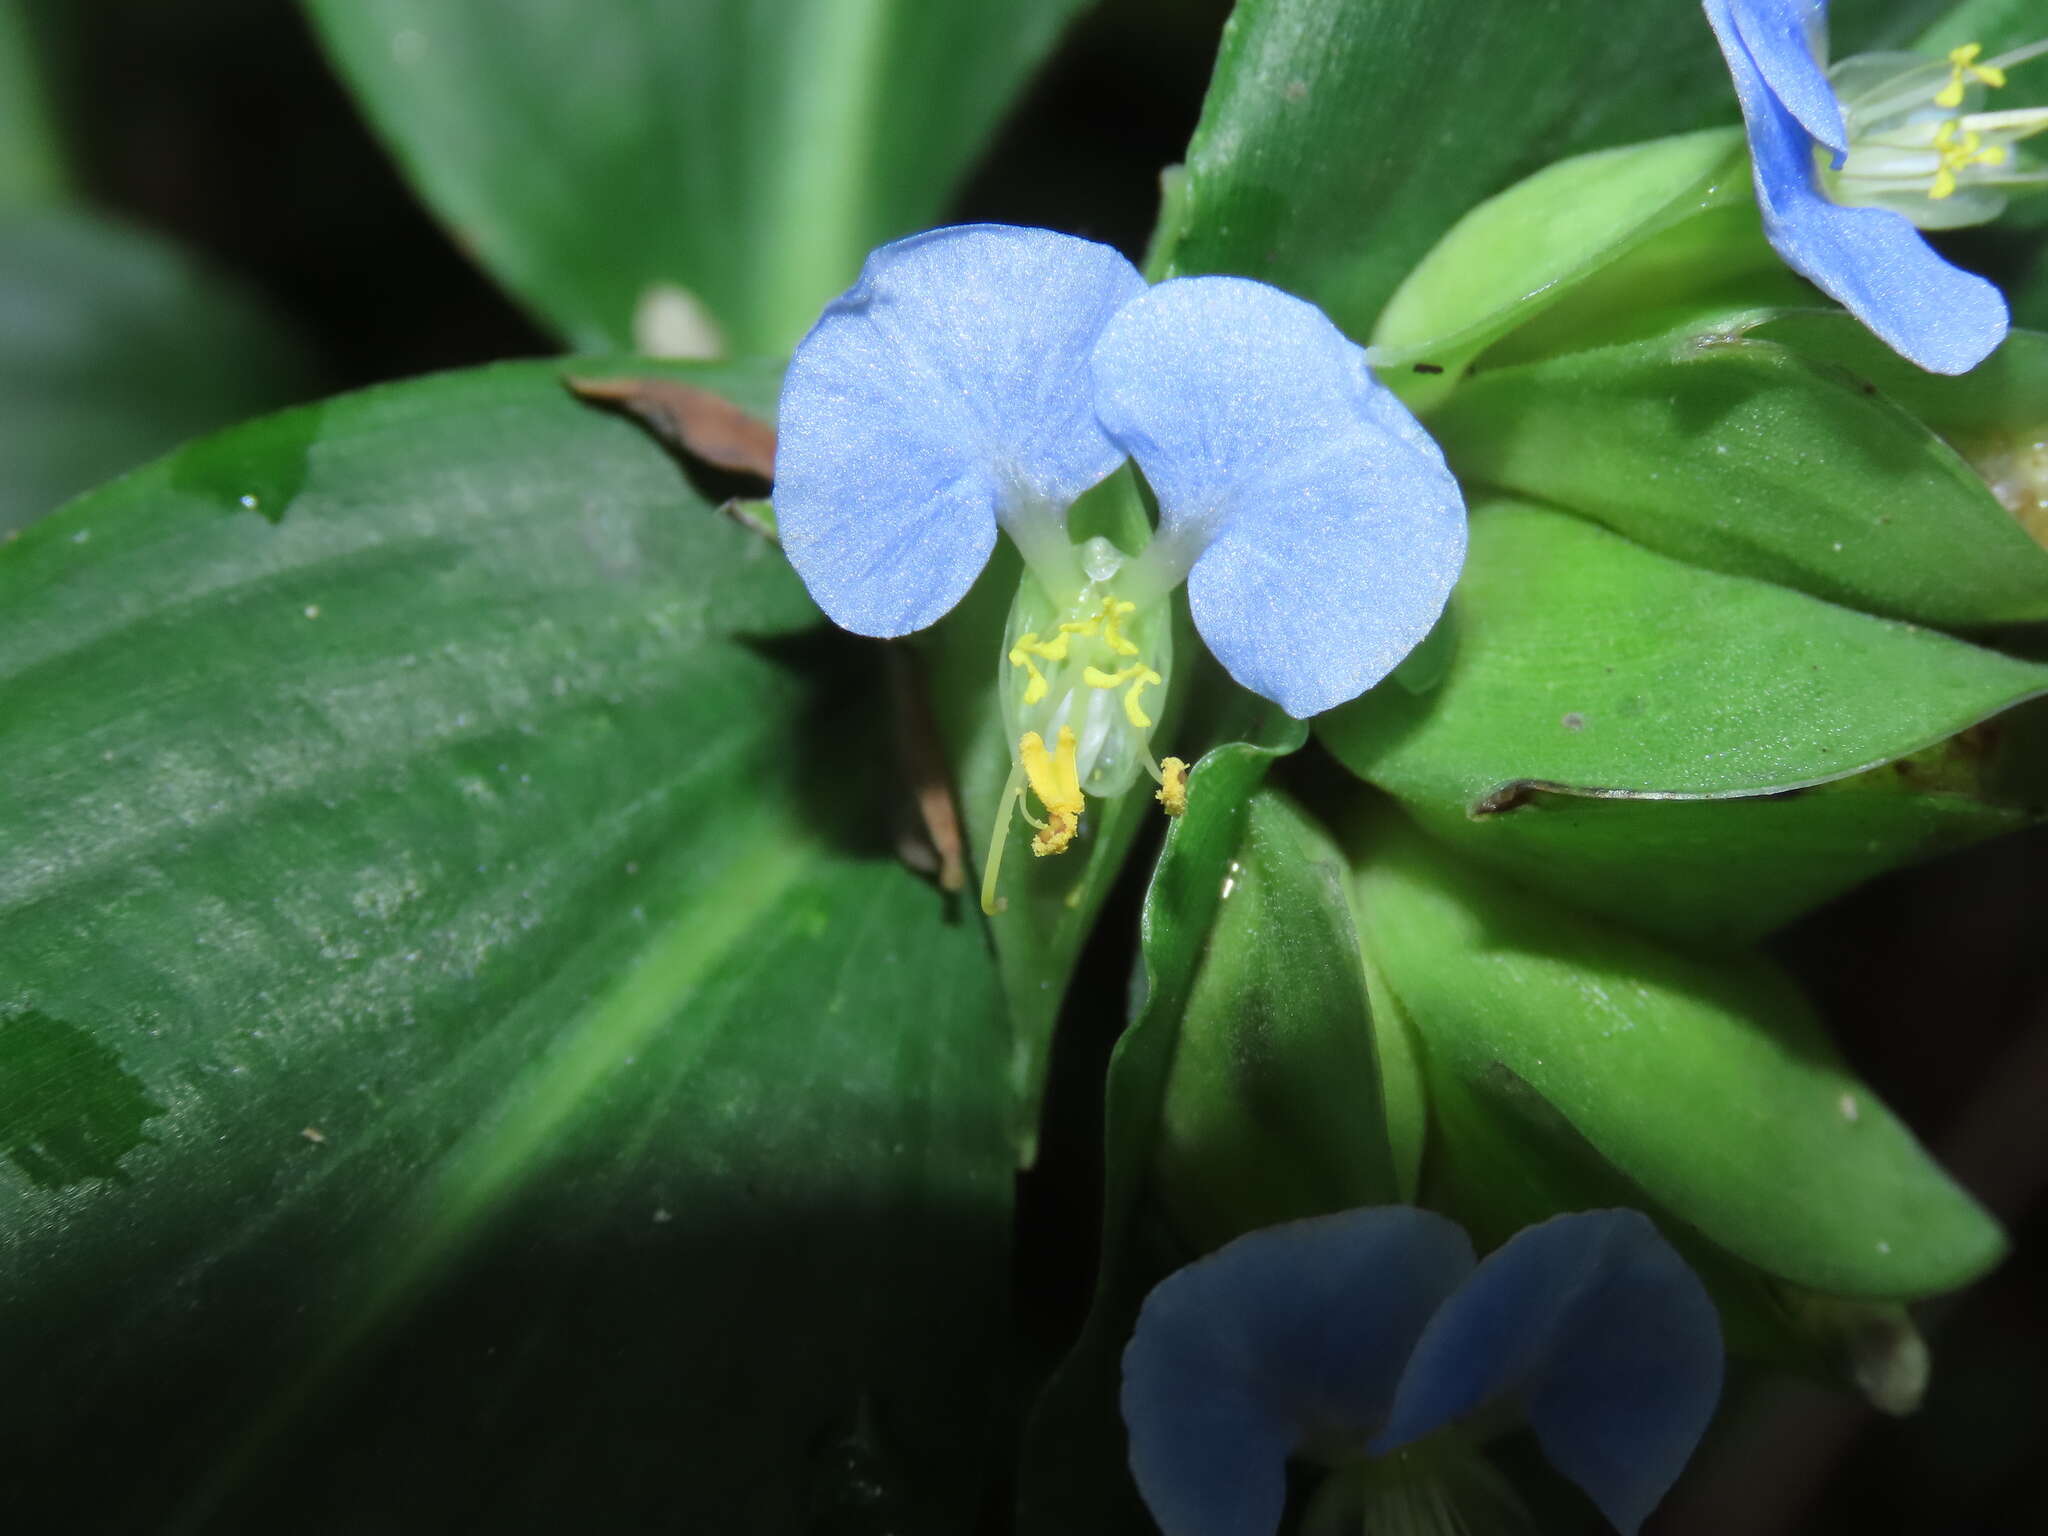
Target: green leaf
1628, 731
735, 161
1565, 223
2006, 393
1706, 1082
32, 168
1997, 24
1074, 1480
1585, 662
1340, 140
1744, 456
1995, 416
1273, 1108
115, 346
460, 1008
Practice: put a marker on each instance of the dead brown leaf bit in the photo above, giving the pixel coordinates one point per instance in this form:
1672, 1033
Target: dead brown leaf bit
704, 425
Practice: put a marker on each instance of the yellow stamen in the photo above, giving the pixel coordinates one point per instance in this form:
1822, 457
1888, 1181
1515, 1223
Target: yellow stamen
1020, 656
1962, 68
1056, 780
1113, 614
1173, 786
1959, 151
1138, 675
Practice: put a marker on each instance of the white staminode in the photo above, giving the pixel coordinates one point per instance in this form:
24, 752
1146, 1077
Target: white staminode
1920, 143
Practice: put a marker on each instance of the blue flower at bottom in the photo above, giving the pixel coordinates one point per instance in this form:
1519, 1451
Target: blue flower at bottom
1898, 151
1355, 1335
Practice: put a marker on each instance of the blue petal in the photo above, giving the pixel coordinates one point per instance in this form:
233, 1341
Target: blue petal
1784, 39
943, 393
1323, 530
1607, 1336
1871, 260
1291, 1335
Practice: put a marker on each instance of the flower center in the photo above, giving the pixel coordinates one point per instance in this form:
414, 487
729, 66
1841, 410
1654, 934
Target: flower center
1076, 680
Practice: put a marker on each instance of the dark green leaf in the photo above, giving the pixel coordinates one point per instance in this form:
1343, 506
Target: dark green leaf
469, 1056
622, 167
1074, 1480
1624, 729
1340, 140
1706, 1083
1273, 1109
114, 347
1743, 456
31, 161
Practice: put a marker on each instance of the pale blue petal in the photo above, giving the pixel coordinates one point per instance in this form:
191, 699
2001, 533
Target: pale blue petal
1290, 1336
1870, 260
1784, 39
1323, 530
945, 392
1611, 1343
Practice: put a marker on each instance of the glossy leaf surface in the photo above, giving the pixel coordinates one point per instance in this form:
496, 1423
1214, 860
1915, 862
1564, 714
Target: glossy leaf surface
1773, 1151
115, 346
1743, 456
729, 158
458, 1009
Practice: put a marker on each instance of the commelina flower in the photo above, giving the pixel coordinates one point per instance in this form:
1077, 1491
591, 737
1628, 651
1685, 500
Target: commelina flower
1347, 1339
1851, 164
981, 378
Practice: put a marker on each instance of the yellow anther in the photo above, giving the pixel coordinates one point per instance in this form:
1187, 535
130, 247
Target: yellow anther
1138, 675
1056, 780
1113, 614
1963, 68
1959, 151
1020, 656
1173, 785
1146, 678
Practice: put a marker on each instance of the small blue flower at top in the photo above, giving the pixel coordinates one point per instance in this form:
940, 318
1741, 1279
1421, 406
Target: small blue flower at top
1347, 1339
983, 377
1851, 163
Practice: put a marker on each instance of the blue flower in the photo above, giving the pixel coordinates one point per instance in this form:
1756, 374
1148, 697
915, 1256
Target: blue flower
1905, 150
1345, 1338
984, 377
